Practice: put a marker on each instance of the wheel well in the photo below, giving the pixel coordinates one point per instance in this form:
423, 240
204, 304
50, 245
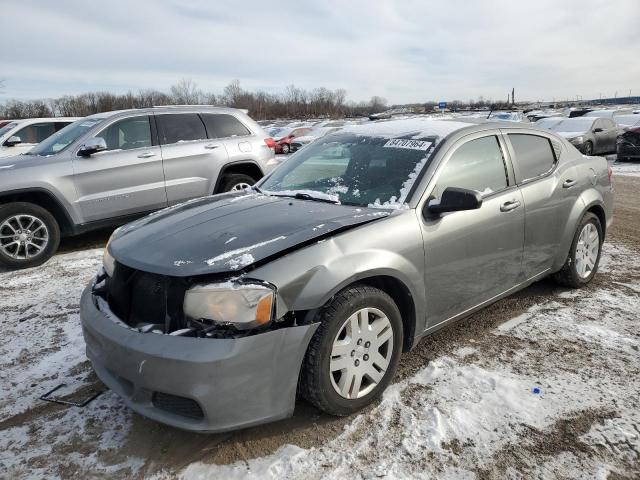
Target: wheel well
598, 211
402, 297
245, 168
46, 201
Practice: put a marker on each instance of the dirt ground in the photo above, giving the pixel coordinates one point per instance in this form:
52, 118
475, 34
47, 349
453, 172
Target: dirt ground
164, 452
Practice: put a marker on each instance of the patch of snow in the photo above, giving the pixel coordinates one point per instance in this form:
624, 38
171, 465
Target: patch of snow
241, 261
240, 251
179, 263
230, 240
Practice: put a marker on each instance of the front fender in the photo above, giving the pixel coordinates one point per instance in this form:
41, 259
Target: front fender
306, 279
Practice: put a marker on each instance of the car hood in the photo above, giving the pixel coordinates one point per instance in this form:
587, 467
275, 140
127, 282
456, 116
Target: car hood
229, 232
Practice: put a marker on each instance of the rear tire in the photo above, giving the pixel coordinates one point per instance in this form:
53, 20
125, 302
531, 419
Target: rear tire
29, 235
365, 352
584, 256
285, 148
236, 182
588, 148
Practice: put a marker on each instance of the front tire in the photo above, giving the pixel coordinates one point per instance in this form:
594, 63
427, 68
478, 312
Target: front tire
584, 256
354, 354
285, 148
29, 235
588, 148
236, 182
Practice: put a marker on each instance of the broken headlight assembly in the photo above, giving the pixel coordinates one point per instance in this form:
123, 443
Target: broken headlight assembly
108, 262
241, 305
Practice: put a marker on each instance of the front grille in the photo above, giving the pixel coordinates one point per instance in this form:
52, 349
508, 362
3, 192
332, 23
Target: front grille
138, 297
182, 406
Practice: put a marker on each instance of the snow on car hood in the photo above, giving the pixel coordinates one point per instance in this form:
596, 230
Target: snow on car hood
229, 232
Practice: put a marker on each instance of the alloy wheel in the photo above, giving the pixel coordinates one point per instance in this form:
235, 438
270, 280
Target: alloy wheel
240, 186
23, 237
587, 250
361, 353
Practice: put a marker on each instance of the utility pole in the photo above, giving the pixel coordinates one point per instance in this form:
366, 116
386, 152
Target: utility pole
513, 96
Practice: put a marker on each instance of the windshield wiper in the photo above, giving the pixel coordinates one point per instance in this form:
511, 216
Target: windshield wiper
304, 196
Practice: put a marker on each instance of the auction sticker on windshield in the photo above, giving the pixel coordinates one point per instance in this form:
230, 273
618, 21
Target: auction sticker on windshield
407, 143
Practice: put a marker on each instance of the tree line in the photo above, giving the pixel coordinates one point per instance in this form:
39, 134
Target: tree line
292, 102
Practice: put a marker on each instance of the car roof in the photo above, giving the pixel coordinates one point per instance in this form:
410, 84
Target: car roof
24, 121
168, 108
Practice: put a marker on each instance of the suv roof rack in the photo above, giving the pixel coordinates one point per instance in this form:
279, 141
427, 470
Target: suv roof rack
182, 106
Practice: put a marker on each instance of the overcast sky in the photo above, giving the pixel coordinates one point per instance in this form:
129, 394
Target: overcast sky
405, 51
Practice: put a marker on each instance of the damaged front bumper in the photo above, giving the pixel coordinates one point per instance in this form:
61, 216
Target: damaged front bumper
201, 384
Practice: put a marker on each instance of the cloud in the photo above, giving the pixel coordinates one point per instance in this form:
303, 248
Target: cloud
406, 51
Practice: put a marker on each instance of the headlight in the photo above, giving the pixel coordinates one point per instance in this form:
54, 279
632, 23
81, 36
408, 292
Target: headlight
579, 139
242, 305
108, 262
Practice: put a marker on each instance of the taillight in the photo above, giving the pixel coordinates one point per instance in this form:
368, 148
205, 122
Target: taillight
634, 130
270, 143
610, 173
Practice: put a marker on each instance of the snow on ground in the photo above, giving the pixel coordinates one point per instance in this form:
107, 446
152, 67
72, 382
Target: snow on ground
628, 169
552, 392
41, 347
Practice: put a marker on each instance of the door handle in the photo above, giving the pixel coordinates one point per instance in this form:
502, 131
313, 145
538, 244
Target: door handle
211, 146
508, 206
568, 183
147, 155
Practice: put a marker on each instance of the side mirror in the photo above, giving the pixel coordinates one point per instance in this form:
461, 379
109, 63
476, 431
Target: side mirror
14, 140
454, 200
598, 130
91, 146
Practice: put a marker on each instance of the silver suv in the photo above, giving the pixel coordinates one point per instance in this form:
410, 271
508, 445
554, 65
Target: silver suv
108, 168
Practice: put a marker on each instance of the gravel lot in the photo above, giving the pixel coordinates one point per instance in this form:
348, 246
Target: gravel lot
542, 384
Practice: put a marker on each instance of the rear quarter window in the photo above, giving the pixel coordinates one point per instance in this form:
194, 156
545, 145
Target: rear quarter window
222, 126
535, 155
180, 127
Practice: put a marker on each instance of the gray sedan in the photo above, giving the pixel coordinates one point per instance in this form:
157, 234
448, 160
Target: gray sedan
590, 135
218, 313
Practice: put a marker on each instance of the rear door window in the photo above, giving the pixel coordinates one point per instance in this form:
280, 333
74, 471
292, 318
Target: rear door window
476, 165
534, 154
223, 126
127, 134
180, 127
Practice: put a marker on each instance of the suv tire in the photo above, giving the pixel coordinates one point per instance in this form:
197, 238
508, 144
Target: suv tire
340, 358
29, 235
585, 252
236, 181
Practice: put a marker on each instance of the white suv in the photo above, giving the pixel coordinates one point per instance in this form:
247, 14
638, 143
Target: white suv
20, 136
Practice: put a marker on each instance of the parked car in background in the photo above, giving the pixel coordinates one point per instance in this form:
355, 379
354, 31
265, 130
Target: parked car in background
628, 147
317, 132
611, 113
217, 314
283, 136
590, 135
20, 136
508, 117
111, 167
627, 120
549, 122
4, 122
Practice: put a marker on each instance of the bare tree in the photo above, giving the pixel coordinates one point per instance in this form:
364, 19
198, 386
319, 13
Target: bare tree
186, 92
